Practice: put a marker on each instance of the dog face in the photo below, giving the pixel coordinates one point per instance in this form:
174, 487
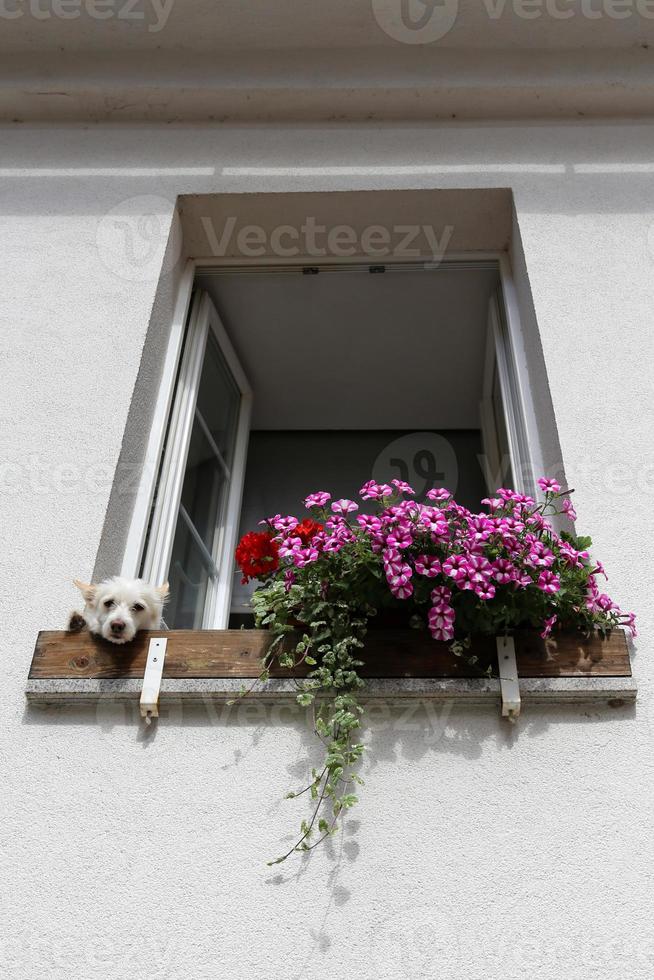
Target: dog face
118, 608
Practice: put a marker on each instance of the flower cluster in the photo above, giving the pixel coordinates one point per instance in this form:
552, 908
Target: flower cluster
501, 568
257, 555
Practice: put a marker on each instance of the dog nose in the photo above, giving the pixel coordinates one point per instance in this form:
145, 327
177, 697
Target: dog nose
117, 626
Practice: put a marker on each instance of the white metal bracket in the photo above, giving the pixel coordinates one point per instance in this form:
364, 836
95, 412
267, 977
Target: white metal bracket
154, 666
509, 686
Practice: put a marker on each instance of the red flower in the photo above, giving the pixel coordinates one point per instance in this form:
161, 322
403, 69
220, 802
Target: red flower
306, 530
257, 555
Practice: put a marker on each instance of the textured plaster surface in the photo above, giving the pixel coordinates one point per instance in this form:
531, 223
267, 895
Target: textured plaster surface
347, 59
479, 849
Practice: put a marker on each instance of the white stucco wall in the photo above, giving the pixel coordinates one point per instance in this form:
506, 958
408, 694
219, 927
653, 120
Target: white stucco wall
477, 850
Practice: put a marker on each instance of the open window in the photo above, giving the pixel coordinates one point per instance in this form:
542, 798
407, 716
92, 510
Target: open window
196, 509
297, 379
506, 460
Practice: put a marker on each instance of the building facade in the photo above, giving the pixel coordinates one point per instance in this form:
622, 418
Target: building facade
133, 146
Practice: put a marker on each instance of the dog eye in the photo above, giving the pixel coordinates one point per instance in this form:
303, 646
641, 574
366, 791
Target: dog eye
138, 607
108, 603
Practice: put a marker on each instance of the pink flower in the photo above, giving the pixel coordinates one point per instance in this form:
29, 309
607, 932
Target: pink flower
481, 528
427, 565
344, 506
476, 575
504, 571
289, 579
318, 499
485, 591
333, 544
455, 566
540, 555
547, 626
549, 582
568, 509
433, 521
369, 523
304, 556
289, 547
511, 496
441, 622
629, 622
571, 556
399, 538
375, 491
439, 494
392, 561
548, 486
403, 487
398, 574
283, 524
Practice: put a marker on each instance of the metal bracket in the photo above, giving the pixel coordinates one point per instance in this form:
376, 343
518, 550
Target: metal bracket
154, 666
509, 686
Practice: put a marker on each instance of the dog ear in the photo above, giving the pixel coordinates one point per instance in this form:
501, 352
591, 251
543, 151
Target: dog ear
87, 590
163, 590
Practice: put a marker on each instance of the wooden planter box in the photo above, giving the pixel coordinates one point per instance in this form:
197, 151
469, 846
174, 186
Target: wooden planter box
215, 664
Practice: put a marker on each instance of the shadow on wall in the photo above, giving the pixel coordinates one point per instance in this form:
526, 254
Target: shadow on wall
397, 737
392, 730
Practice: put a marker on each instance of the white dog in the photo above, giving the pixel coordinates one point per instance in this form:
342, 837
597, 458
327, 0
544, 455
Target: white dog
118, 608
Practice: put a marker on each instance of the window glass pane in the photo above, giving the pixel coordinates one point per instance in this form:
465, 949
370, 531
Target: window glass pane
503, 454
205, 491
218, 400
205, 486
189, 581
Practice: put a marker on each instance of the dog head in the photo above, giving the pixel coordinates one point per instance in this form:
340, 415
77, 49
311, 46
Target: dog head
118, 608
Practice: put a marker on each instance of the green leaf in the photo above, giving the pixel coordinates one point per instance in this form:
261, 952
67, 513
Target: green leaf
349, 800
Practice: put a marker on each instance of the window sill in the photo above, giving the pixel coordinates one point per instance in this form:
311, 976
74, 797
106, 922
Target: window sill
401, 664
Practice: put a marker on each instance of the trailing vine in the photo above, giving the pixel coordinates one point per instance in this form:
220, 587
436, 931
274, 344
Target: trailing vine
451, 571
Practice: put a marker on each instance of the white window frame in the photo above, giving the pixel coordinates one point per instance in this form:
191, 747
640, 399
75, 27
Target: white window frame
511, 342
500, 357
202, 321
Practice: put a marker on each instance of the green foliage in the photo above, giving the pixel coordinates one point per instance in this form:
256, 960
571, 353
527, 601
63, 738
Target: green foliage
332, 598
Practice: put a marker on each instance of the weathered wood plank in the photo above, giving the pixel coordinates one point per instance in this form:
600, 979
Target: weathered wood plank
388, 653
